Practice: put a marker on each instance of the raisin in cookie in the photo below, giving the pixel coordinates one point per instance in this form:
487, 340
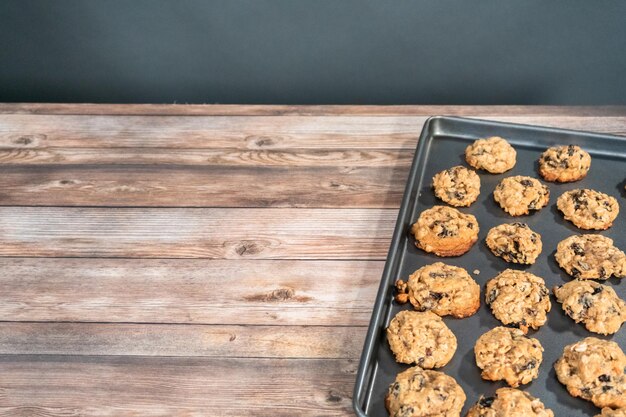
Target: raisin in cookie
590, 257
564, 163
588, 209
421, 338
445, 231
493, 154
509, 402
519, 195
593, 369
442, 289
457, 186
507, 354
424, 393
597, 306
514, 242
519, 299
609, 412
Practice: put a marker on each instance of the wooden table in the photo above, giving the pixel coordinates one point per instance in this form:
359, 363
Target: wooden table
202, 260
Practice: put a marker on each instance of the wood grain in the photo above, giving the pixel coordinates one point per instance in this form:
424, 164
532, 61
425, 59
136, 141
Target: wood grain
318, 342
97, 157
127, 287
203, 186
328, 293
27, 131
196, 233
282, 110
127, 385
24, 131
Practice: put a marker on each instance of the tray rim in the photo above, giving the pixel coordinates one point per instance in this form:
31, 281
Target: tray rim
429, 129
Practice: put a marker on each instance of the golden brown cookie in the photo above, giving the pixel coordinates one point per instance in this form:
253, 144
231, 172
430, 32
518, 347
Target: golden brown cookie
519, 299
493, 154
564, 163
457, 186
520, 195
588, 209
506, 354
424, 393
509, 402
595, 305
445, 231
609, 412
514, 242
593, 369
442, 289
421, 338
590, 256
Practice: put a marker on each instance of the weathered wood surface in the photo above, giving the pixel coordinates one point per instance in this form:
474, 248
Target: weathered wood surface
209, 158
189, 340
309, 110
319, 161
27, 131
123, 385
224, 233
162, 260
197, 186
246, 292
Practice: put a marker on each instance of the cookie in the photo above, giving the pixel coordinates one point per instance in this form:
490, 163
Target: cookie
590, 257
514, 242
457, 186
564, 163
445, 231
518, 299
509, 402
588, 209
595, 305
423, 393
519, 195
493, 154
593, 369
442, 289
421, 338
609, 412
506, 354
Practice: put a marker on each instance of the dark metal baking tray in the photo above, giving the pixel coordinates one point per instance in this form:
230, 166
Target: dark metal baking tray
441, 145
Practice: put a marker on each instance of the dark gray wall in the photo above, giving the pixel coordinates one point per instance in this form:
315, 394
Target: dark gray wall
318, 51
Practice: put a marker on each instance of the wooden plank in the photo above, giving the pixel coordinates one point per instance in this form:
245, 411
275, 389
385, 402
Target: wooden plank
279, 110
27, 131
317, 342
159, 411
203, 186
206, 157
108, 386
196, 233
189, 291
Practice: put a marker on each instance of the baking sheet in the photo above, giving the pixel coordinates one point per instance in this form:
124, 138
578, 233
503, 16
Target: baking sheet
442, 145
